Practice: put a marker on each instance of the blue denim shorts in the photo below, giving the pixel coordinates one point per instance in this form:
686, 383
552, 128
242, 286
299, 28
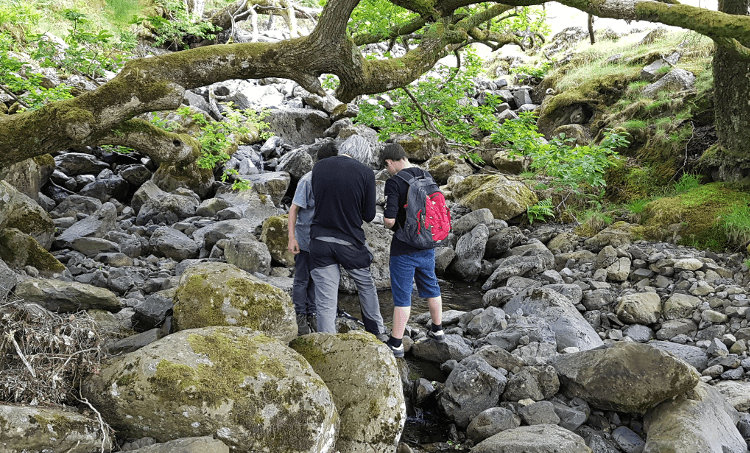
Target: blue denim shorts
417, 266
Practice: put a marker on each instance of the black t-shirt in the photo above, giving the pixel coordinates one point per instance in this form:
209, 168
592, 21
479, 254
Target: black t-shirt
344, 192
396, 190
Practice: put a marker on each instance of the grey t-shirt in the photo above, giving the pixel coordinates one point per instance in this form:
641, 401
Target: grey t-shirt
303, 197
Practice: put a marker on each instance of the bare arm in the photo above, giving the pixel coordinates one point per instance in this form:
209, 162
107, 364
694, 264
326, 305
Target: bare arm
291, 222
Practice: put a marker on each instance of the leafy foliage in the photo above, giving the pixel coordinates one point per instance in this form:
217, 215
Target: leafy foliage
217, 137
376, 17
438, 102
540, 211
177, 26
17, 78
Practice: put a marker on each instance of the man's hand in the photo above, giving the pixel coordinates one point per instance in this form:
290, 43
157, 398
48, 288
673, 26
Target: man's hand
293, 245
389, 223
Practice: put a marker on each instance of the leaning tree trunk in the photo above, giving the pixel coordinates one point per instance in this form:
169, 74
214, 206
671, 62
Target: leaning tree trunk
731, 88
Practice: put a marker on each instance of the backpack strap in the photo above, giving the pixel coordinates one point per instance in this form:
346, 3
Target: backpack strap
412, 178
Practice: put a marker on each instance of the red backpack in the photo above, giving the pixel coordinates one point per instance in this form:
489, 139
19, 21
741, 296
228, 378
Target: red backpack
428, 220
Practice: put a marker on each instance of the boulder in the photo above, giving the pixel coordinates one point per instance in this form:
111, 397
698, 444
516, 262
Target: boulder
167, 208
570, 327
467, 222
41, 428
639, 308
74, 205
66, 297
248, 254
695, 356
219, 294
298, 126
370, 404
606, 377
28, 176
471, 388
73, 164
96, 225
248, 205
270, 184
490, 422
421, 145
674, 81
19, 250
505, 197
232, 383
737, 393
443, 166
469, 252
275, 235
170, 177
296, 163
8, 280
542, 438
19, 211
680, 306
697, 420
617, 235
205, 444
454, 348
533, 261
168, 242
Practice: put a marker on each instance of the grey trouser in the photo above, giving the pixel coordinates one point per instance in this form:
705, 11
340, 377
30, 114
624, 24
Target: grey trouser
326, 298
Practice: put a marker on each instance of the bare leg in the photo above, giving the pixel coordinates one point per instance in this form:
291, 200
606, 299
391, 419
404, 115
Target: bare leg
435, 304
400, 317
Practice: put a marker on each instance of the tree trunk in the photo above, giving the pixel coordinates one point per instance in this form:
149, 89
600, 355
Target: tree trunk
731, 88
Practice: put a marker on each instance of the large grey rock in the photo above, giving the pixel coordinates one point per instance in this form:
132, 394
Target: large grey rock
232, 383
490, 422
296, 163
248, 254
95, 225
698, 420
443, 166
680, 306
39, 428
533, 439
606, 377
502, 241
472, 387
66, 297
174, 244
205, 444
639, 308
675, 80
73, 164
454, 348
298, 126
469, 252
270, 184
248, 205
168, 208
616, 235
28, 176
533, 261
737, 393
219, 294
691, 354
533, 328
19, 211
467, 222
421, 145
147, 191
370, 404
75, 204
570, 327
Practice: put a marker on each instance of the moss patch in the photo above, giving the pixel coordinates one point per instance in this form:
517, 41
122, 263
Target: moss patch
698, 212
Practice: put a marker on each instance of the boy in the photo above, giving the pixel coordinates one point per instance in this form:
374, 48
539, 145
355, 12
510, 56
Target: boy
407, 262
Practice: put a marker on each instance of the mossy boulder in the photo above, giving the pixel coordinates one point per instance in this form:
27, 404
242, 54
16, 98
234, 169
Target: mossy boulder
604, 376
19, 211
219, 294
695, 217
421, 145
37, 428
170, 177
232, 383
363, 378
444, 166
275, 235
504, 196
19, 250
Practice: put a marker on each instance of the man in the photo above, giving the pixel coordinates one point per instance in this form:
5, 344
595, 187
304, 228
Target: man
344, 190
407, 262
300, 218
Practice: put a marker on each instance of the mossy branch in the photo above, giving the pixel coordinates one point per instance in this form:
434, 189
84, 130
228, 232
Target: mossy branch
155, 142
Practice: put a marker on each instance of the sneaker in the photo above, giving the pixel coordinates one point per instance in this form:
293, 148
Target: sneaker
312, 322
438, 336
398, 352
302, 327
